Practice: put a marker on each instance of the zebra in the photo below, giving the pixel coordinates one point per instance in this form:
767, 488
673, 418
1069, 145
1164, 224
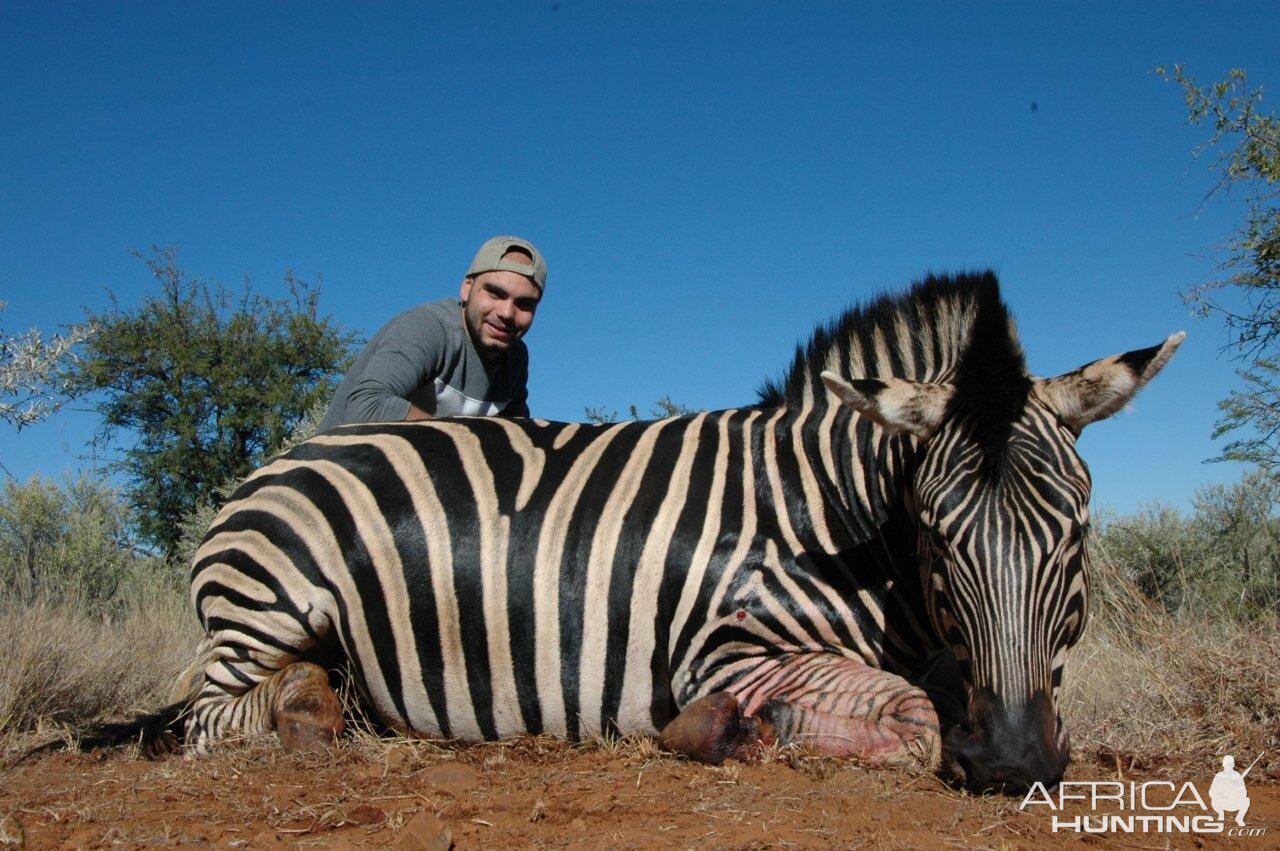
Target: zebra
905, 500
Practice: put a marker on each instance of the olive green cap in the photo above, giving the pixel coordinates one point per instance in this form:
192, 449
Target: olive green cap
489, 259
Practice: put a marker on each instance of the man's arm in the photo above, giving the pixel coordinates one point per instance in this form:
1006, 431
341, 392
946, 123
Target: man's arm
409, 353
519, 404
516, 409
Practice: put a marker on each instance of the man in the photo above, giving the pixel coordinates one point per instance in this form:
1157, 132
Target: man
454, 356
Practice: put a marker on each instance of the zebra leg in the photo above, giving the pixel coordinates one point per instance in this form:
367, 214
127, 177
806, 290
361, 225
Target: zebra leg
840, 706
833, 704
295, 701
304, 710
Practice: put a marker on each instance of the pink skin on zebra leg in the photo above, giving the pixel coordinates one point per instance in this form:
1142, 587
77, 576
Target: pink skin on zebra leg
842, 707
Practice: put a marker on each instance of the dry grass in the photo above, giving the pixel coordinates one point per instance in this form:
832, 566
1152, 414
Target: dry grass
62, 664
1150, 690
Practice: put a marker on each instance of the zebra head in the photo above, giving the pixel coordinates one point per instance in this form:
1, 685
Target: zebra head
1001, 500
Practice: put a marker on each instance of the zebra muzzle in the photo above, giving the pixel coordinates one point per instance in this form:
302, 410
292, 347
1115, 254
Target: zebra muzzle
1003, 749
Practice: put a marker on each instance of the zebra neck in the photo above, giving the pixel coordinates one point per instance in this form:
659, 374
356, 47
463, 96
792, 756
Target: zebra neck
867, 483
853, 476
830, 500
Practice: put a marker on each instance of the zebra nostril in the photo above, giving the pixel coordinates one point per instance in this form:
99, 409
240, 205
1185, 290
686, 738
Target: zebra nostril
966, 768
963, 758
952, 773
980, 768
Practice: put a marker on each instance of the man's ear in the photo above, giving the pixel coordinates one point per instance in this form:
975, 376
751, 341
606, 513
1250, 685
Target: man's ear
896, 404
464, 291
1099, 389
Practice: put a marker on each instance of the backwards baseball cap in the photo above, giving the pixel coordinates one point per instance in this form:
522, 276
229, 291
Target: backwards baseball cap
489, 259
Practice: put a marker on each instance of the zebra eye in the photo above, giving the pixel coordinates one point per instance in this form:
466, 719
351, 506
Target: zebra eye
1074, 623
938, 542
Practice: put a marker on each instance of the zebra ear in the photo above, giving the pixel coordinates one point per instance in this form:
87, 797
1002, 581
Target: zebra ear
1099, 389
894, 403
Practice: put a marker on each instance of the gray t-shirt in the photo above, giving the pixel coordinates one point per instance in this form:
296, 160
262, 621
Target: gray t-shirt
426, 357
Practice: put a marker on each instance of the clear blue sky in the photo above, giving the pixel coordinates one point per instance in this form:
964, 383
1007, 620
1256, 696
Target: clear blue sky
708, 181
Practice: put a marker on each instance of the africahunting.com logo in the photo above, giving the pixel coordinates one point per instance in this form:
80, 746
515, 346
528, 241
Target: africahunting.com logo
1152, 806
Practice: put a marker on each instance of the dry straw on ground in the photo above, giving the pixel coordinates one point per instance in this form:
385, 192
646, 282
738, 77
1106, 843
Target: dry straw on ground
1154, 691
62, 662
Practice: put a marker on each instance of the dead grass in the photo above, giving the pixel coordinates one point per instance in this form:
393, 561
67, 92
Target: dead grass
62, 664
532, 791
1150, 691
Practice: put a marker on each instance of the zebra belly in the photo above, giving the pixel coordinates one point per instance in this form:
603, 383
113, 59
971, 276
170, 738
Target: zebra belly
457, 712
499, 617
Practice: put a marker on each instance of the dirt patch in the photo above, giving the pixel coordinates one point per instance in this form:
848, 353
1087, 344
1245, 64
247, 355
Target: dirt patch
529, 792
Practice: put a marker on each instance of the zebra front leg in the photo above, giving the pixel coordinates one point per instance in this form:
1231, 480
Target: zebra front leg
295, 701
835, 705
840, 706
304, 709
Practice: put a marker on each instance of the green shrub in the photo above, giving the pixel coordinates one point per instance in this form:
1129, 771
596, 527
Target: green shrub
70, 541
1151, 687
1220, 561
195, 523
90, 626
1182, 652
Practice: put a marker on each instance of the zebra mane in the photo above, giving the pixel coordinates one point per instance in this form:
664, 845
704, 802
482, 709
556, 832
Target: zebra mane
948, 328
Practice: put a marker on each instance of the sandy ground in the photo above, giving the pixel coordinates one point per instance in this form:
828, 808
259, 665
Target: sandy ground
531, 793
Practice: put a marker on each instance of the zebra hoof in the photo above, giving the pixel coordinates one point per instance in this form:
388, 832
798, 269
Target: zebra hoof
298, 736
712, 729
160, 746
307, 713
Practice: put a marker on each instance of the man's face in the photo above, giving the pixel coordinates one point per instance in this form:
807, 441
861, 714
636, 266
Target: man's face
498, 309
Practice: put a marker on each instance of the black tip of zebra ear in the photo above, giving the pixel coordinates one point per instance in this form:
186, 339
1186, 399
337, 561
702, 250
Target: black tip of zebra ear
1138, 359
896, 404
868, 386
1099, 389
857, 391
1145, 363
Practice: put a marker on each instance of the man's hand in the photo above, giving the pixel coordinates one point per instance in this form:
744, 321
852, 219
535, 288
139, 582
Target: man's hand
416, 413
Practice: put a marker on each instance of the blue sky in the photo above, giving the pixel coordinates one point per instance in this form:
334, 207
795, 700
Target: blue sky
708, 181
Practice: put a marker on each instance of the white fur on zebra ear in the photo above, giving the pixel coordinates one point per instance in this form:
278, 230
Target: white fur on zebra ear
895, 403
1099, 389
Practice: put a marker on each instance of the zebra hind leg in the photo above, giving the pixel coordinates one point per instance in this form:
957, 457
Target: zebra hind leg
713, 728
295, 701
